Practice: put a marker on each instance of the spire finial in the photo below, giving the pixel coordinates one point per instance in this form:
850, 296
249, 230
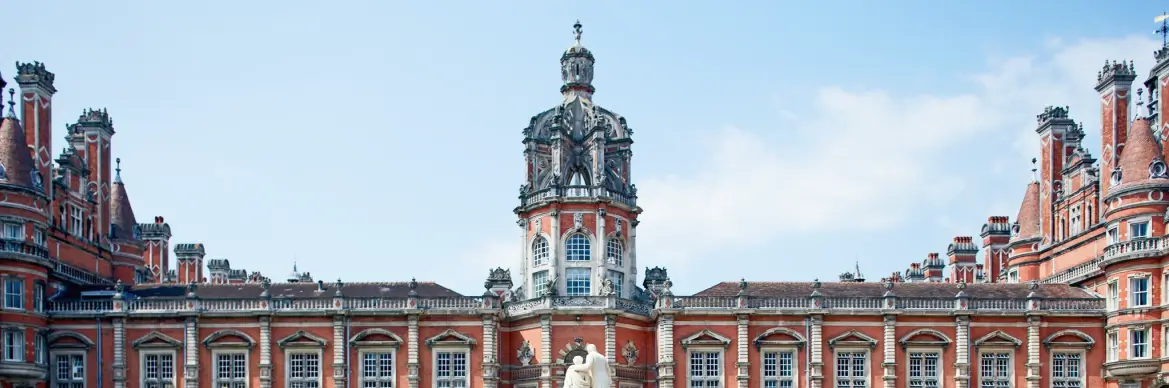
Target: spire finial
11, 102
118, 170
1164, 29
1034, 178
576, 31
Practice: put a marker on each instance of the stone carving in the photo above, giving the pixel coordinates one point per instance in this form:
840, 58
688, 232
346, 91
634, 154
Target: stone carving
578, 221
629, 353
593, 364
607, 287
550, 287
524, 354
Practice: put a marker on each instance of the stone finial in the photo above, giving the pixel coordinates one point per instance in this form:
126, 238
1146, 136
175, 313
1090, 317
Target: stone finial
120, 287
34, 74
816, 283
191, 288
666, 287
11, 103
888, 283
576, 31
338, 285
413, 287
742, 286
1032, 285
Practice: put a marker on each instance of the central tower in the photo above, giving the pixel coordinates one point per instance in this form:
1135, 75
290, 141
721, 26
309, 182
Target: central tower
578, 208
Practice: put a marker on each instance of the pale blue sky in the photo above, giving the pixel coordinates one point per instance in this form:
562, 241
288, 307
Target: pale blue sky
380, 140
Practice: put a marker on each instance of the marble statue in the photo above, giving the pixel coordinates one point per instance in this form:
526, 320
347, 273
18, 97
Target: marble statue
577, 375
594, 369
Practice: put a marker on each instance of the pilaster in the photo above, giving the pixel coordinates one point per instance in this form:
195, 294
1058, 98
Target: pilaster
546, 351
412, 350
743, 364
889, 346
339, 351
1033, 374
632, 255
666, 351
490, 358
528, 287
119, 353
554, 254
816, 365
610, 346
191, 366
600, 252
962, 347
265, 352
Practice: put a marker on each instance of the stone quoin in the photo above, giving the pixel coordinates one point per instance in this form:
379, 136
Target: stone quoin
1068, 294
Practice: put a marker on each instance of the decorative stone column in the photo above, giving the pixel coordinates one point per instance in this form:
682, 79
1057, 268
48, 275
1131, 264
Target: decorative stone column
743, 364
554, 252
546, 351
191, 366
412, 350
600, 253
632, 248
889, 345
119, 353
666, 350
339, 351
962, 347
611, 345
524, 260
1033, 375
490, 358
816, 369
265, 352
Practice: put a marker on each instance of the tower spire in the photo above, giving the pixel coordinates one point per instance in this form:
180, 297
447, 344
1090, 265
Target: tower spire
1163, 30
576, 31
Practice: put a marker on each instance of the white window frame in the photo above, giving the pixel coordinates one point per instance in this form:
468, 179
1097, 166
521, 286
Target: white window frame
939, 365
540, 257
451, 349
226, 351
1076, 220
1113, 346
868, 375
1083, 367
74, 381
615, 251
38, 237
18, 280
13, 231
720, 379
289, 352
1013, 275
1112, 236
1132, 343
392, 351
1113, 294
764, 378
618, 279
1148, 227
1132, 293
76, 220
41, 349
1010, 365
162, 382
38, 296
539, 286
18, 344
569, 249
588, 278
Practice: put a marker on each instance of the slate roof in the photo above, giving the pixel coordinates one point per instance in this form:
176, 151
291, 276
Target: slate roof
282, 290
1028, 217
1140, 150
902, 290
14, 154
121, 213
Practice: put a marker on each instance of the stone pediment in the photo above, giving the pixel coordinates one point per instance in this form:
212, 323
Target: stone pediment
852, 338
706, 337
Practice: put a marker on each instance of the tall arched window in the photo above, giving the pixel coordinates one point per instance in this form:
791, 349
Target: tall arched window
615, 252
539, 251
577, 248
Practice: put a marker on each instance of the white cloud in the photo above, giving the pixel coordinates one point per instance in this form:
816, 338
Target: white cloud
871, 157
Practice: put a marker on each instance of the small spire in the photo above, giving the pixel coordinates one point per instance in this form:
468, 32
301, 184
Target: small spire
118, 170
1164, 29
11, 103
1034, 176
576, 31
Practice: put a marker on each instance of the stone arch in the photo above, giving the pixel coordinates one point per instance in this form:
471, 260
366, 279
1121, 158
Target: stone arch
1085, 340
81, 340
214, 338
362, 338
761, 340
939, 338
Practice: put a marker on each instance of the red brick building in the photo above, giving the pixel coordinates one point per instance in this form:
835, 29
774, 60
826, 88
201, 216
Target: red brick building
1067, 295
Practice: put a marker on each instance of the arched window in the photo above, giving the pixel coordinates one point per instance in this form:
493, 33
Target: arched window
615, 252
539, 251
577, 248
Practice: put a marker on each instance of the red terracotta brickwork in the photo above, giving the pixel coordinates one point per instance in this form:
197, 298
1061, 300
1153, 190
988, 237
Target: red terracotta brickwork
1068, 294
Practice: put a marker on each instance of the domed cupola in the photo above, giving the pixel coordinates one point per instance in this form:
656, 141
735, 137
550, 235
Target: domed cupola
576, 69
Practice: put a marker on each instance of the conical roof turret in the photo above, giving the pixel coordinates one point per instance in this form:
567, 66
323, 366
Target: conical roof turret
1140, 160
1027, 223
123, 226
16, 165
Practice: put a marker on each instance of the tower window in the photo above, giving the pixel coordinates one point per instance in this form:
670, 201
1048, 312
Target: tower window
539, 283
577, 248
540, 251
615, 251
618, 279
578, 281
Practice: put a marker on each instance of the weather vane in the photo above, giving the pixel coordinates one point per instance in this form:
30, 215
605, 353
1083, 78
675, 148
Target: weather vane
1164, 30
